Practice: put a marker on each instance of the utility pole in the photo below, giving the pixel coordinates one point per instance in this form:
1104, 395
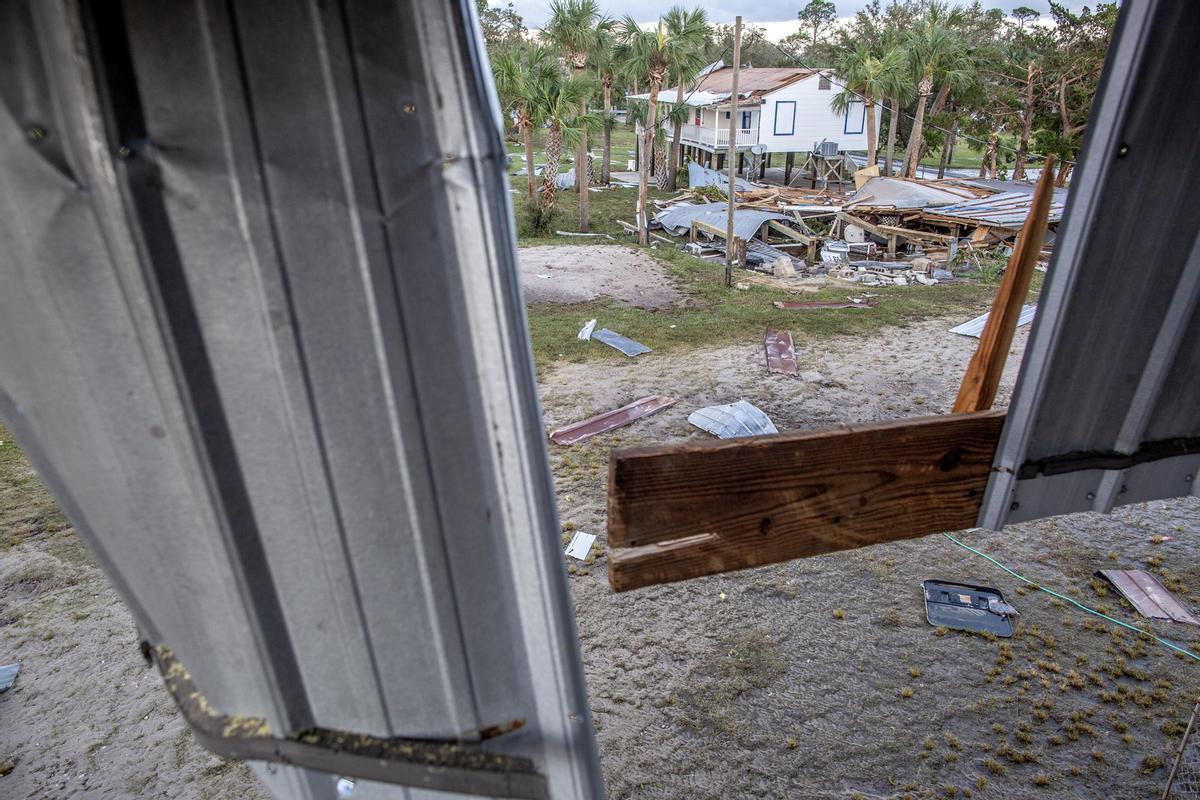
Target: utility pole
731, 156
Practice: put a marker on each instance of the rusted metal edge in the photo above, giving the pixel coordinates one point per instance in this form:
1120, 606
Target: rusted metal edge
1147, 595
781, 353
610, 420
448, 766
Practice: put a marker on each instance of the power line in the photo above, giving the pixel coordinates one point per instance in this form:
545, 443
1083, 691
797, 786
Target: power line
999, 146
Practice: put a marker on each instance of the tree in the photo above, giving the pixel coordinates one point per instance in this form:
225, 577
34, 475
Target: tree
653, 53
558, 104
502, 26
817, 17
935, 48
604, 64
523, 79
576, 27
867, 78
756, 48
1024, 15
679, 20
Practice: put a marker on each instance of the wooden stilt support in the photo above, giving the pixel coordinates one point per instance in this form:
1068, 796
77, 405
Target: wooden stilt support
788, 163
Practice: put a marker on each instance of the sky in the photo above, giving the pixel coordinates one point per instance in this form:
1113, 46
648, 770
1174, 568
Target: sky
777, 16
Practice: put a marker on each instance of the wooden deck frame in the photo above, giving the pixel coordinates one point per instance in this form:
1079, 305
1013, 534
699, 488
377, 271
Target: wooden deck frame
699, 508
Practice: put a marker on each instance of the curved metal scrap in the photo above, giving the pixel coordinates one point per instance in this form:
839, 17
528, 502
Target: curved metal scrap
732, 420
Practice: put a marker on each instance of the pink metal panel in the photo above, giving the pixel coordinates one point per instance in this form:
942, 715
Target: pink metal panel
1148, 596
602, 423
781, 355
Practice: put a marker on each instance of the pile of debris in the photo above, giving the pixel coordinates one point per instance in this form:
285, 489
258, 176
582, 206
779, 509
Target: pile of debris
888, 232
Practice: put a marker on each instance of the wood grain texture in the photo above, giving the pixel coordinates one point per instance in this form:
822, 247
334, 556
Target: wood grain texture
979, 385
699, 508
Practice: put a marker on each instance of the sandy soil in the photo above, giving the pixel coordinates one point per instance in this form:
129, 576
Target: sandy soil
820, 678
579, 273
814, 679
87, 717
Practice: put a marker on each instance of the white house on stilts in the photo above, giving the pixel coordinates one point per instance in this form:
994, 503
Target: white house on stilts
780, 111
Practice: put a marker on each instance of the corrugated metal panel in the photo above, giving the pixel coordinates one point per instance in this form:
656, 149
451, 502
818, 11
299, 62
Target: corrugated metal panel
1005, 210
1148, 596
257, 249
746, 222
733, 420
1107, 406
975, 326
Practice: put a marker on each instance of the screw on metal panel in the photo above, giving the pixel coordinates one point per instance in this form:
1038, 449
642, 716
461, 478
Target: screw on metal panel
36, 133
1123, 150
1091, 495
124, 152
1124, 489
409, 107
1014, 506
1189, 478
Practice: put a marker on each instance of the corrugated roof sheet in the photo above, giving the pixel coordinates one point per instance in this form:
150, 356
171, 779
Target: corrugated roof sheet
746, 222
975, 327
1005, 210
902, 193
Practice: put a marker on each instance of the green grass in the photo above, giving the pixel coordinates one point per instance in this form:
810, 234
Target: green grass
718, 316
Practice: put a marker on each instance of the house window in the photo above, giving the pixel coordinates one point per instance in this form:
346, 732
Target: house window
746, 115
697, 116
785, 118
856, 117
823, 85
726, 115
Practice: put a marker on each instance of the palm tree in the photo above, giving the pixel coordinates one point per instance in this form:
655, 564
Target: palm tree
558, 103
577, 27
604, 65
935, 47
867, 77
678, 20
522, 75
654, 53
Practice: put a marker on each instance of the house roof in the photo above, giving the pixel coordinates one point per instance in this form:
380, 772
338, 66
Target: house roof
753, 82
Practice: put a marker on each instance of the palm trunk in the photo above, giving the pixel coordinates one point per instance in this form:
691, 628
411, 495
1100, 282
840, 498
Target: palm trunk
581, 171
1026, 126
992, 147
945, 153
554, 154
527, 134
893, 125
673, 168
871, 143
643, 221
606, 167
914, 139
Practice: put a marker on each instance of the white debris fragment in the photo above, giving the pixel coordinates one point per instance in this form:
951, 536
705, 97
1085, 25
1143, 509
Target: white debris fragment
585, 333
581, 545
812, 377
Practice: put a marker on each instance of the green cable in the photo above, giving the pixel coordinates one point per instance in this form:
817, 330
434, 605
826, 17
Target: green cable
1073, 601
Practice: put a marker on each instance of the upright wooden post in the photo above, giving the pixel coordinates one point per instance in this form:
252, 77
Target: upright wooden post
788, 163
730, 161
979, 385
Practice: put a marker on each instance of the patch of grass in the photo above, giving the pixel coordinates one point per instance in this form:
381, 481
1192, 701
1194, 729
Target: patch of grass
717, 316
736, 666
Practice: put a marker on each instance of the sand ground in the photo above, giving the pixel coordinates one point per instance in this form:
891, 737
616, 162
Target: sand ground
814, 679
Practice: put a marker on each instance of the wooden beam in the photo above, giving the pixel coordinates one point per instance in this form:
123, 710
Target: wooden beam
699, 508
979, 385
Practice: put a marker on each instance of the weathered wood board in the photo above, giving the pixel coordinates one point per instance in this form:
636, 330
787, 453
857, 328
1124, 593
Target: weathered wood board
699, 508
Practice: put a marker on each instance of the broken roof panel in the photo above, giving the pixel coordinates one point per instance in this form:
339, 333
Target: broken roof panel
974, 327
1005, 210
732, 420
610, 420
902, 193
746, 221
1148, 596
703, 176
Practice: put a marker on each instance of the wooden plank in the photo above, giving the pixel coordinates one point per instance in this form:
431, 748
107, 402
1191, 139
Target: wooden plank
699, 508
979, 385
791, 233
906, 233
